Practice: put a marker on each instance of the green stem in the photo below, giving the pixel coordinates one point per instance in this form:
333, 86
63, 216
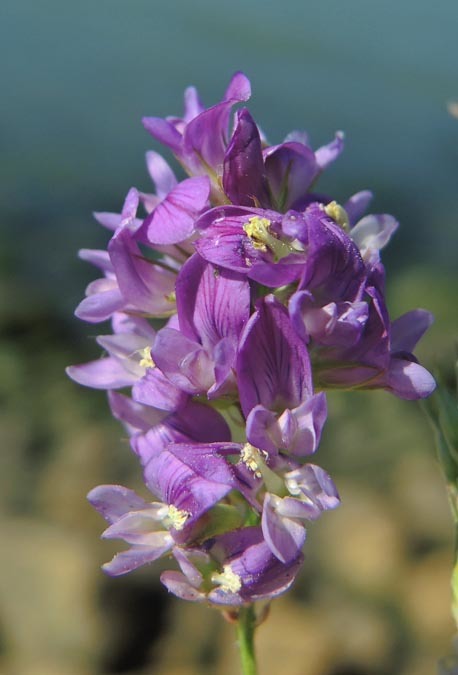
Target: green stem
245, 637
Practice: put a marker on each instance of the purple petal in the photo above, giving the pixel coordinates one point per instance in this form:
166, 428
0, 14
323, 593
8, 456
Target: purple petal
136, 416
155, 390
357, 204
311, 483
172, 221
273, 365
291, 169
99, 307
143, 284
212, 303
97, 257
184, 362
407, 330
409, 380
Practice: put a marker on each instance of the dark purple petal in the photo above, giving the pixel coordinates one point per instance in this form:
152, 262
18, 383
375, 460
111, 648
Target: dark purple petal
273, 366
291, 168
244, 179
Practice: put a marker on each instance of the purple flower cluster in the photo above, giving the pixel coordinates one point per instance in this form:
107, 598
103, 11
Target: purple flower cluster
267, 293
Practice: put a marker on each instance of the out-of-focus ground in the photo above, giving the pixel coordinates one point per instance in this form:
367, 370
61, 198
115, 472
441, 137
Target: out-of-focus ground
373, 598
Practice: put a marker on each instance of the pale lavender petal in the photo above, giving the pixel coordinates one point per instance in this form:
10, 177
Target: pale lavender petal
329, 153
155, 390
114, 501
284, 536
311, 483
193, 106
137, 417
408, 380
100, 306
357, 205
178, 584
108, 219
184, 362
164, 132
239, 88
107, 373
373, 232
141, 527
137, 556
161, 174
96, 257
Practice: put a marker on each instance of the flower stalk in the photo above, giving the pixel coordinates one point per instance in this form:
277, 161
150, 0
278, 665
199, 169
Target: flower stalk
246, 626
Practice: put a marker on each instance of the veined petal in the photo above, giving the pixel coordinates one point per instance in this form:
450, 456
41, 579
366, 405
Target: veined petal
172, 221
164, 132
137, 417
155, 390
212, 303
273, 365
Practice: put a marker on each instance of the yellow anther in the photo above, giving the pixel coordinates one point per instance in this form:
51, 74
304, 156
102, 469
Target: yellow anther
257, 229
229, 581
251, 456
176, 517
338, 213
146, 361
171, 297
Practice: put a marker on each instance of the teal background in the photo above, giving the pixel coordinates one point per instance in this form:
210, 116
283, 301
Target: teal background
76, 78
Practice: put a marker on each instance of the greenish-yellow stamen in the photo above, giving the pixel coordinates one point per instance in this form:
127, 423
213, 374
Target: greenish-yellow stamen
229, 581
176, 517
146, 361
262, 238
338, 213
251, 456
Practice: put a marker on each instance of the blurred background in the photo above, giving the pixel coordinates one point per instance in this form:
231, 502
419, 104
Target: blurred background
373, 598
